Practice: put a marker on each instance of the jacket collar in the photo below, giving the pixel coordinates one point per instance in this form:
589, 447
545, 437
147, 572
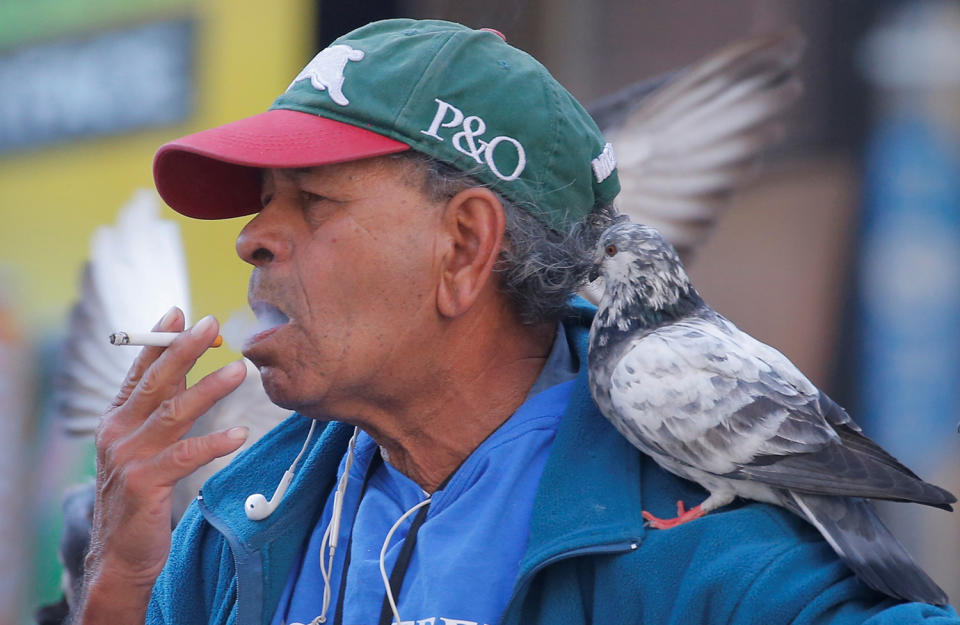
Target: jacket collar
259, 470
581, 500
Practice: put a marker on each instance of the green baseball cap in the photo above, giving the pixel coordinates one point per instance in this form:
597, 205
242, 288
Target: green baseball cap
462, 96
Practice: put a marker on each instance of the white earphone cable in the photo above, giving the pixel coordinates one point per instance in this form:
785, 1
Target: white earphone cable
331, 535
303, 449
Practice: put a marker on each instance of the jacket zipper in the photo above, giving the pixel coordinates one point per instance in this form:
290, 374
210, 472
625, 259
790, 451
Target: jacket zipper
227, 535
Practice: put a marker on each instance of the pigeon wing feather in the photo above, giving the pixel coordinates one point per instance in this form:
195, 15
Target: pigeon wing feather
687, 140
685, 387
687, 145
136, 271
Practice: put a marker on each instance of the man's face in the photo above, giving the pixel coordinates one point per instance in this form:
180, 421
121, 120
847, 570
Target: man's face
345, 272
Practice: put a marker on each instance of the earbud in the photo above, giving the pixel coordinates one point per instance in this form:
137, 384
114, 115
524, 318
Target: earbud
258, 508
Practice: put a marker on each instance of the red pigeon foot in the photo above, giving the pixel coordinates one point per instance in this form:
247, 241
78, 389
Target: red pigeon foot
683, 515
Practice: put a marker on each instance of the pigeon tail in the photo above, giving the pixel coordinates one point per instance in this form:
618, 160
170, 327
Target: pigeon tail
855, 532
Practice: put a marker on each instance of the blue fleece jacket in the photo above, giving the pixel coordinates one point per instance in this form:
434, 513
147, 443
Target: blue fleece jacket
588, 560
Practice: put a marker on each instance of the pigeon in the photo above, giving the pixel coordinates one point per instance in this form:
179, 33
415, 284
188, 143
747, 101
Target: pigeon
713, 405
687, 140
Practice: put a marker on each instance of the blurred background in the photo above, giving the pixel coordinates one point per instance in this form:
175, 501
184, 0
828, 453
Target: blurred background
844, 253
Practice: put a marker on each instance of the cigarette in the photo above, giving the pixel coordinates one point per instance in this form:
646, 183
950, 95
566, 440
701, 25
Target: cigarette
153, 339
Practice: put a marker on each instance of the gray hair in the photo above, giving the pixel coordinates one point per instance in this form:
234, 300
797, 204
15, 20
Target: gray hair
539, 267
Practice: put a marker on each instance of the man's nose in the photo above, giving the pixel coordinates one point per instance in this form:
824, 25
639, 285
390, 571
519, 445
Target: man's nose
264, 240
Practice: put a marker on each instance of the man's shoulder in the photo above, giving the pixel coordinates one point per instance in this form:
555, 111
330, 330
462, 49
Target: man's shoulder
753, 562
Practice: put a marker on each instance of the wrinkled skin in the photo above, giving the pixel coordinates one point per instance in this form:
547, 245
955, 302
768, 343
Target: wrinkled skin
347, 253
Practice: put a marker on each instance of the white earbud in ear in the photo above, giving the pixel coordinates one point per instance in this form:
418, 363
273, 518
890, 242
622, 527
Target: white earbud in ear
258, 508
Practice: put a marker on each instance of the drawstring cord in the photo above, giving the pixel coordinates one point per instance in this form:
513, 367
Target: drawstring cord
383, 553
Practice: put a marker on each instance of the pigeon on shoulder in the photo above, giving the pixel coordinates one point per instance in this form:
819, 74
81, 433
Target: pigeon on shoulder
715, 406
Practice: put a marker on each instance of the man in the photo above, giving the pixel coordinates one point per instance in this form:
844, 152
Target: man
425, 196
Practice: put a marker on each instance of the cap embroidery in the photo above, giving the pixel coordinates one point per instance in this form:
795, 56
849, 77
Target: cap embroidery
604, 164
325, 71
467, 140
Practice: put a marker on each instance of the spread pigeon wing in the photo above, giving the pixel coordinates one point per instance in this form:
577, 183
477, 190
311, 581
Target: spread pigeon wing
687, 140
136, 272
716, 400
689, 143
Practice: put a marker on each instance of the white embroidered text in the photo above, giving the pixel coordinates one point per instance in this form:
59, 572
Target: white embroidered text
468, 140
604, 164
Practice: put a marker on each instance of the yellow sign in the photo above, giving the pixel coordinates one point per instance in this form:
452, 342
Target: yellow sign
52, 198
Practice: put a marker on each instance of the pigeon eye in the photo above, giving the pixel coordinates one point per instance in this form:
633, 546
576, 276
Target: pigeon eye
611, 249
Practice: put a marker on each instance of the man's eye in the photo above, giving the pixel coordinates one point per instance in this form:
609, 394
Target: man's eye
311, 198
316, 209
265, 199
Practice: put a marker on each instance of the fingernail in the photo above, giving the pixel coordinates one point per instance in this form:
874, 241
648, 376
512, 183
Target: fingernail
238, 433
167, 317
234, 369
203, 325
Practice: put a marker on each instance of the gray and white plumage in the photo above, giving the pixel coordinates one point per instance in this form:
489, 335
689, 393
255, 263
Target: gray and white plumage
714, 405
686, 141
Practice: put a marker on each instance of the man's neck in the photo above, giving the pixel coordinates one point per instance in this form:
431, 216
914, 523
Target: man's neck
495, 365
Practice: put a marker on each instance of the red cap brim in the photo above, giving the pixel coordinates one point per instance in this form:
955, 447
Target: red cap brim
214, 174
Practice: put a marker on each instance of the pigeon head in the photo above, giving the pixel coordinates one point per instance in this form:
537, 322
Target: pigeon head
644, 277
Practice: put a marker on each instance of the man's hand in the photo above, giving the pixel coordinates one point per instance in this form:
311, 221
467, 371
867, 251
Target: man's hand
140, 456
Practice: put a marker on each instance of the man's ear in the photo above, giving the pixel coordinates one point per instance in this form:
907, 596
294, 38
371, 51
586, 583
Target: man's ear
473, 222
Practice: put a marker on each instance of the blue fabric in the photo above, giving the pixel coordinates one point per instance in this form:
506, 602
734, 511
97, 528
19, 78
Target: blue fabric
482, 515
588, 557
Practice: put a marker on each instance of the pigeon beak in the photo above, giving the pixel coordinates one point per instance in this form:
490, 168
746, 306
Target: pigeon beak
594, 272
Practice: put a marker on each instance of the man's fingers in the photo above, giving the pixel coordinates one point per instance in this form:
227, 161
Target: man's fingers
165, 376
174, 416
184, 457
172, 321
